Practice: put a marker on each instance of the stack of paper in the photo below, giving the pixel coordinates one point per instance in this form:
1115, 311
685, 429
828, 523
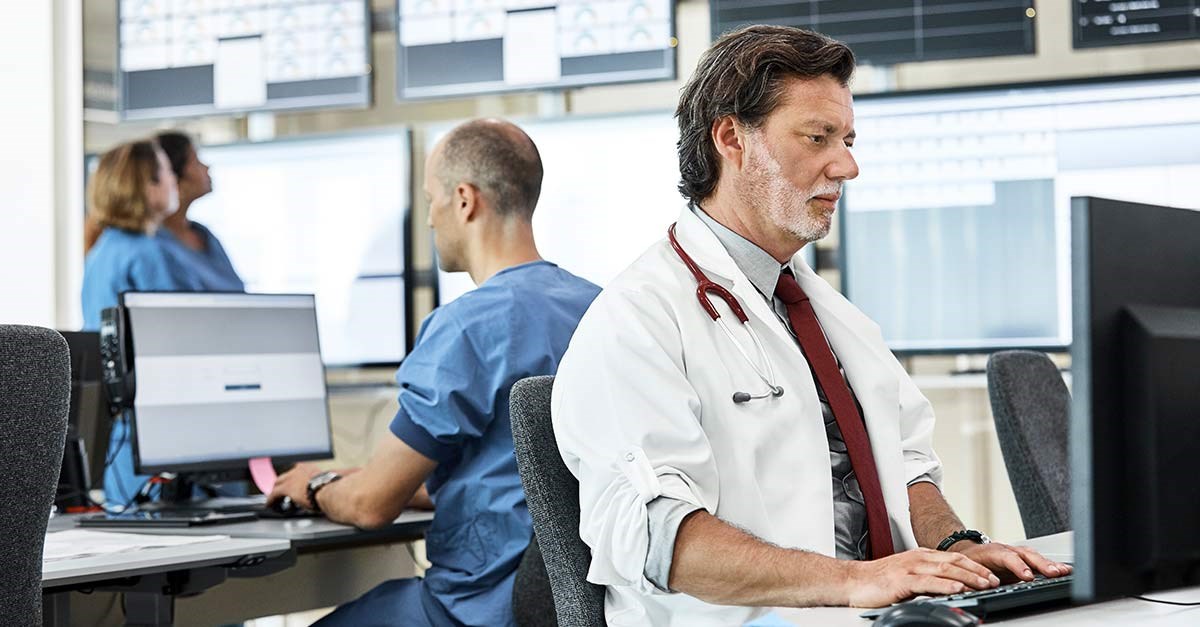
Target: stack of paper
79, 543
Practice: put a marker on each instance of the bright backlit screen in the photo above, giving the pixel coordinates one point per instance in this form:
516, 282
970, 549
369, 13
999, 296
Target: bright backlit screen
956, 235
608, 193
325, 216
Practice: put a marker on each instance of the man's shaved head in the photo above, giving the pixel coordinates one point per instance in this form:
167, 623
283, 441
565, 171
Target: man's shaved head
496, 157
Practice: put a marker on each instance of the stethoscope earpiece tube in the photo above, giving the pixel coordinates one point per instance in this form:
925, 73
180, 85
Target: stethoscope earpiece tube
705, 287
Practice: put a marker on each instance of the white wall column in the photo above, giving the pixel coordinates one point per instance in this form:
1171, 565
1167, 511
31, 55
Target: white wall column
41, 191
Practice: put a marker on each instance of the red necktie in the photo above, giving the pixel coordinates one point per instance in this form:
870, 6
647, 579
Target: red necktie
820, 358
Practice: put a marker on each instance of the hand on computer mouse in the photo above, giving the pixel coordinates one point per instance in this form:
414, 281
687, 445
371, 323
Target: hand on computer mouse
284, 506
294, 484
917, 614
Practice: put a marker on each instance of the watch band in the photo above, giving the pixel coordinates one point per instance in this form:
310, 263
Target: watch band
316, 484
963, 534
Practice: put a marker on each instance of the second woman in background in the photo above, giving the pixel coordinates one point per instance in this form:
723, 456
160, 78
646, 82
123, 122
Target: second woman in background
189, 243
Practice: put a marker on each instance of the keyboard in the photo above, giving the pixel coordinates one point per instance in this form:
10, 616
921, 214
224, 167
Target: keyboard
165, 518
1006, 598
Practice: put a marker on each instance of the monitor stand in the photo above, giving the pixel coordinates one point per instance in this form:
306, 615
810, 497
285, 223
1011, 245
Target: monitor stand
186, 492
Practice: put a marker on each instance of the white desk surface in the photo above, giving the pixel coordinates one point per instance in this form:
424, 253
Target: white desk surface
1059, 546
157, 560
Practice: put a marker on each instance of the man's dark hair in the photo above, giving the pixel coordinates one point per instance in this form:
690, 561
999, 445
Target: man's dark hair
743, 74
176, 145
497, 158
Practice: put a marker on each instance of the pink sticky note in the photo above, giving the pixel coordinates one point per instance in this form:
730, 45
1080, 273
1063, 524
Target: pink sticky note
263, 473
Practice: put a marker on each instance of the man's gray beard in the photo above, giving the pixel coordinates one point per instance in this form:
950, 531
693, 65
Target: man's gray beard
786, 206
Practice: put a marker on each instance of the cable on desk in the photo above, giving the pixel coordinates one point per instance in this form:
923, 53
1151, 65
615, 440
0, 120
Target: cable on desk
1165, 602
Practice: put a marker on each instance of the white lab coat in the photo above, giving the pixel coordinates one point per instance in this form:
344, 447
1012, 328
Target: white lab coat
642, 407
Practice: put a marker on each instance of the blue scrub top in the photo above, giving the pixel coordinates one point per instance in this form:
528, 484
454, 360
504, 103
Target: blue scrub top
454, 410
123, 261
211, 266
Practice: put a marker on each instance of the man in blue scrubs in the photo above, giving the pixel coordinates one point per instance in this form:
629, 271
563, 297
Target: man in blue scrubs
452, 431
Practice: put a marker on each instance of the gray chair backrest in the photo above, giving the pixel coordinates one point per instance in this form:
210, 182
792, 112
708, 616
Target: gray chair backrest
1032, 410
35, 389
553, 497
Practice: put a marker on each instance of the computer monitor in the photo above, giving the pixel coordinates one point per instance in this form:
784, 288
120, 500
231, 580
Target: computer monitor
326, 215
602, 204
89, 422
1135, 415
225, 378
188, 57
956, 236
460, 48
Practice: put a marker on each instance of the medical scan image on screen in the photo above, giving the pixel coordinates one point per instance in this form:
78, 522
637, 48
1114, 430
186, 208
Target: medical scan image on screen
956, 234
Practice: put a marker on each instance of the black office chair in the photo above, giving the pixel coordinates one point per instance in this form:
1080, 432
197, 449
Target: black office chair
35, 388
553, 497
1032, 410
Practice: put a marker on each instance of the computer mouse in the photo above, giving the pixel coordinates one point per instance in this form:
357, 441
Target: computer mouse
918, 614
285, 507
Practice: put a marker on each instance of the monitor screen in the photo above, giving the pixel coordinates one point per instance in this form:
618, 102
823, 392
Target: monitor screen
602, 204
326, 216
1103, 24
457, 47
223, 378
886, 32
198, 57
956, 234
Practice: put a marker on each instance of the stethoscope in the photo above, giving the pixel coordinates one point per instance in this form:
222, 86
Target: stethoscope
704, 287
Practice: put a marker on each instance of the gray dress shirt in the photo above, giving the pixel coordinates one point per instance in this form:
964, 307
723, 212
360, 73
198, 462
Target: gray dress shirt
849, 511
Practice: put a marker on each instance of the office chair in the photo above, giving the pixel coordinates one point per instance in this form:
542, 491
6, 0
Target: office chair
1031, 407
553, 497
35, 389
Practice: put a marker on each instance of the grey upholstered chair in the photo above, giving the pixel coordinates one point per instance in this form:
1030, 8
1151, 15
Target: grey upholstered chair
35, 388
1031, 406
553, 496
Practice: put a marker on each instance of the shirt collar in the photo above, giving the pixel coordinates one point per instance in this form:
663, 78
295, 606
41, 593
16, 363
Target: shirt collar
757, 264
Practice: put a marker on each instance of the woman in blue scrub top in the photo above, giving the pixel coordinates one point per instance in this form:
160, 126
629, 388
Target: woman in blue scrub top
132, 191
187, 242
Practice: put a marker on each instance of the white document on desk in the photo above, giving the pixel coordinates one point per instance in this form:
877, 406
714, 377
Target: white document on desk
79, 543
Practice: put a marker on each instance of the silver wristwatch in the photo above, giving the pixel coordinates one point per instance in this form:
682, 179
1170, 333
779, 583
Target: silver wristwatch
316, 483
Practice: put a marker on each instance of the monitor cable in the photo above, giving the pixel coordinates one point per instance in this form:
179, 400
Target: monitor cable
1165, 602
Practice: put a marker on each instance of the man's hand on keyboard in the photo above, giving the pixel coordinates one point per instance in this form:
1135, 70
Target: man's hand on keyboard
917, 572
1011, 563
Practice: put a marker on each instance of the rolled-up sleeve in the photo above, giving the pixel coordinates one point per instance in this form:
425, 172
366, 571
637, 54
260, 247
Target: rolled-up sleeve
627, 423
916, 433
665, 515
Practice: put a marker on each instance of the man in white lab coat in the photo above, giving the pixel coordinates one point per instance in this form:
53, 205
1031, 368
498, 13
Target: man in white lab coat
728, 465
